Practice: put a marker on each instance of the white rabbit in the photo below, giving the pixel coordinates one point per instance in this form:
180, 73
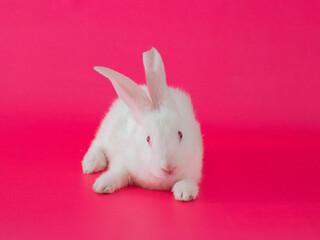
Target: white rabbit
149, 138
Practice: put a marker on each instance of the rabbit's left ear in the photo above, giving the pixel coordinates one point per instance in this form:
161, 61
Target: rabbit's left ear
156, 78
130, 93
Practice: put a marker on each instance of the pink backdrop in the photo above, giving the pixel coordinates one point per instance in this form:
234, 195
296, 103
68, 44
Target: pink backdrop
252, 69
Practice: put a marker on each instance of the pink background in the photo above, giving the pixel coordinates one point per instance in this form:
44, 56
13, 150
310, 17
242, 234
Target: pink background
252, 69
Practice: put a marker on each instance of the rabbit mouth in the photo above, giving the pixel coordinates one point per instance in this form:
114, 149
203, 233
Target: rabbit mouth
164, 173
169, 171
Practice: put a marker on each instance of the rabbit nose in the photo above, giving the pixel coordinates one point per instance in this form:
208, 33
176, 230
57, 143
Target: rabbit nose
168, 169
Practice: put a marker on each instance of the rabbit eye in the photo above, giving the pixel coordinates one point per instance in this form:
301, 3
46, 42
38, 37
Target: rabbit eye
180, 135
148, 139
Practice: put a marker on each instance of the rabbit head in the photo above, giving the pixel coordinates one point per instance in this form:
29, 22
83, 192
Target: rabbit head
163, 138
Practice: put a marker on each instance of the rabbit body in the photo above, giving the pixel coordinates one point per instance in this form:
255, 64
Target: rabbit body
149, 137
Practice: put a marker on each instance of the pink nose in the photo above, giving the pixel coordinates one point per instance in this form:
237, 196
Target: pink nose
168, 169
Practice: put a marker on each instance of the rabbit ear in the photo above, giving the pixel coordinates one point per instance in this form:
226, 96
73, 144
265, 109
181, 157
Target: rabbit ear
132, 95
156, 77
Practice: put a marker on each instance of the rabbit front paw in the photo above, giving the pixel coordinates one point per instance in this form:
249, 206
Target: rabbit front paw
94, 161
185, 190
108, 182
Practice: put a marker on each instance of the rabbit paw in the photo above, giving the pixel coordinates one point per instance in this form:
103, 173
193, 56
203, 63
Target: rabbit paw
108, 183
94, 161
185, 190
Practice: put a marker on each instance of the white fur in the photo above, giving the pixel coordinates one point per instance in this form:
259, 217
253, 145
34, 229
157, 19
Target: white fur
121, 139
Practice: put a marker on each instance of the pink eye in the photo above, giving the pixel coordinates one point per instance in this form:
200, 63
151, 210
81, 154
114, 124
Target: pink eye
148, 139
180, 135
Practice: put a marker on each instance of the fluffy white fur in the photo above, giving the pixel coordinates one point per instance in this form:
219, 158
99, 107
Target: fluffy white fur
166, 162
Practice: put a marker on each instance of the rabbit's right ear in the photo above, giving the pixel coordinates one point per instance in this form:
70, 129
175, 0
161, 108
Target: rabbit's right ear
132, 95
156, 78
